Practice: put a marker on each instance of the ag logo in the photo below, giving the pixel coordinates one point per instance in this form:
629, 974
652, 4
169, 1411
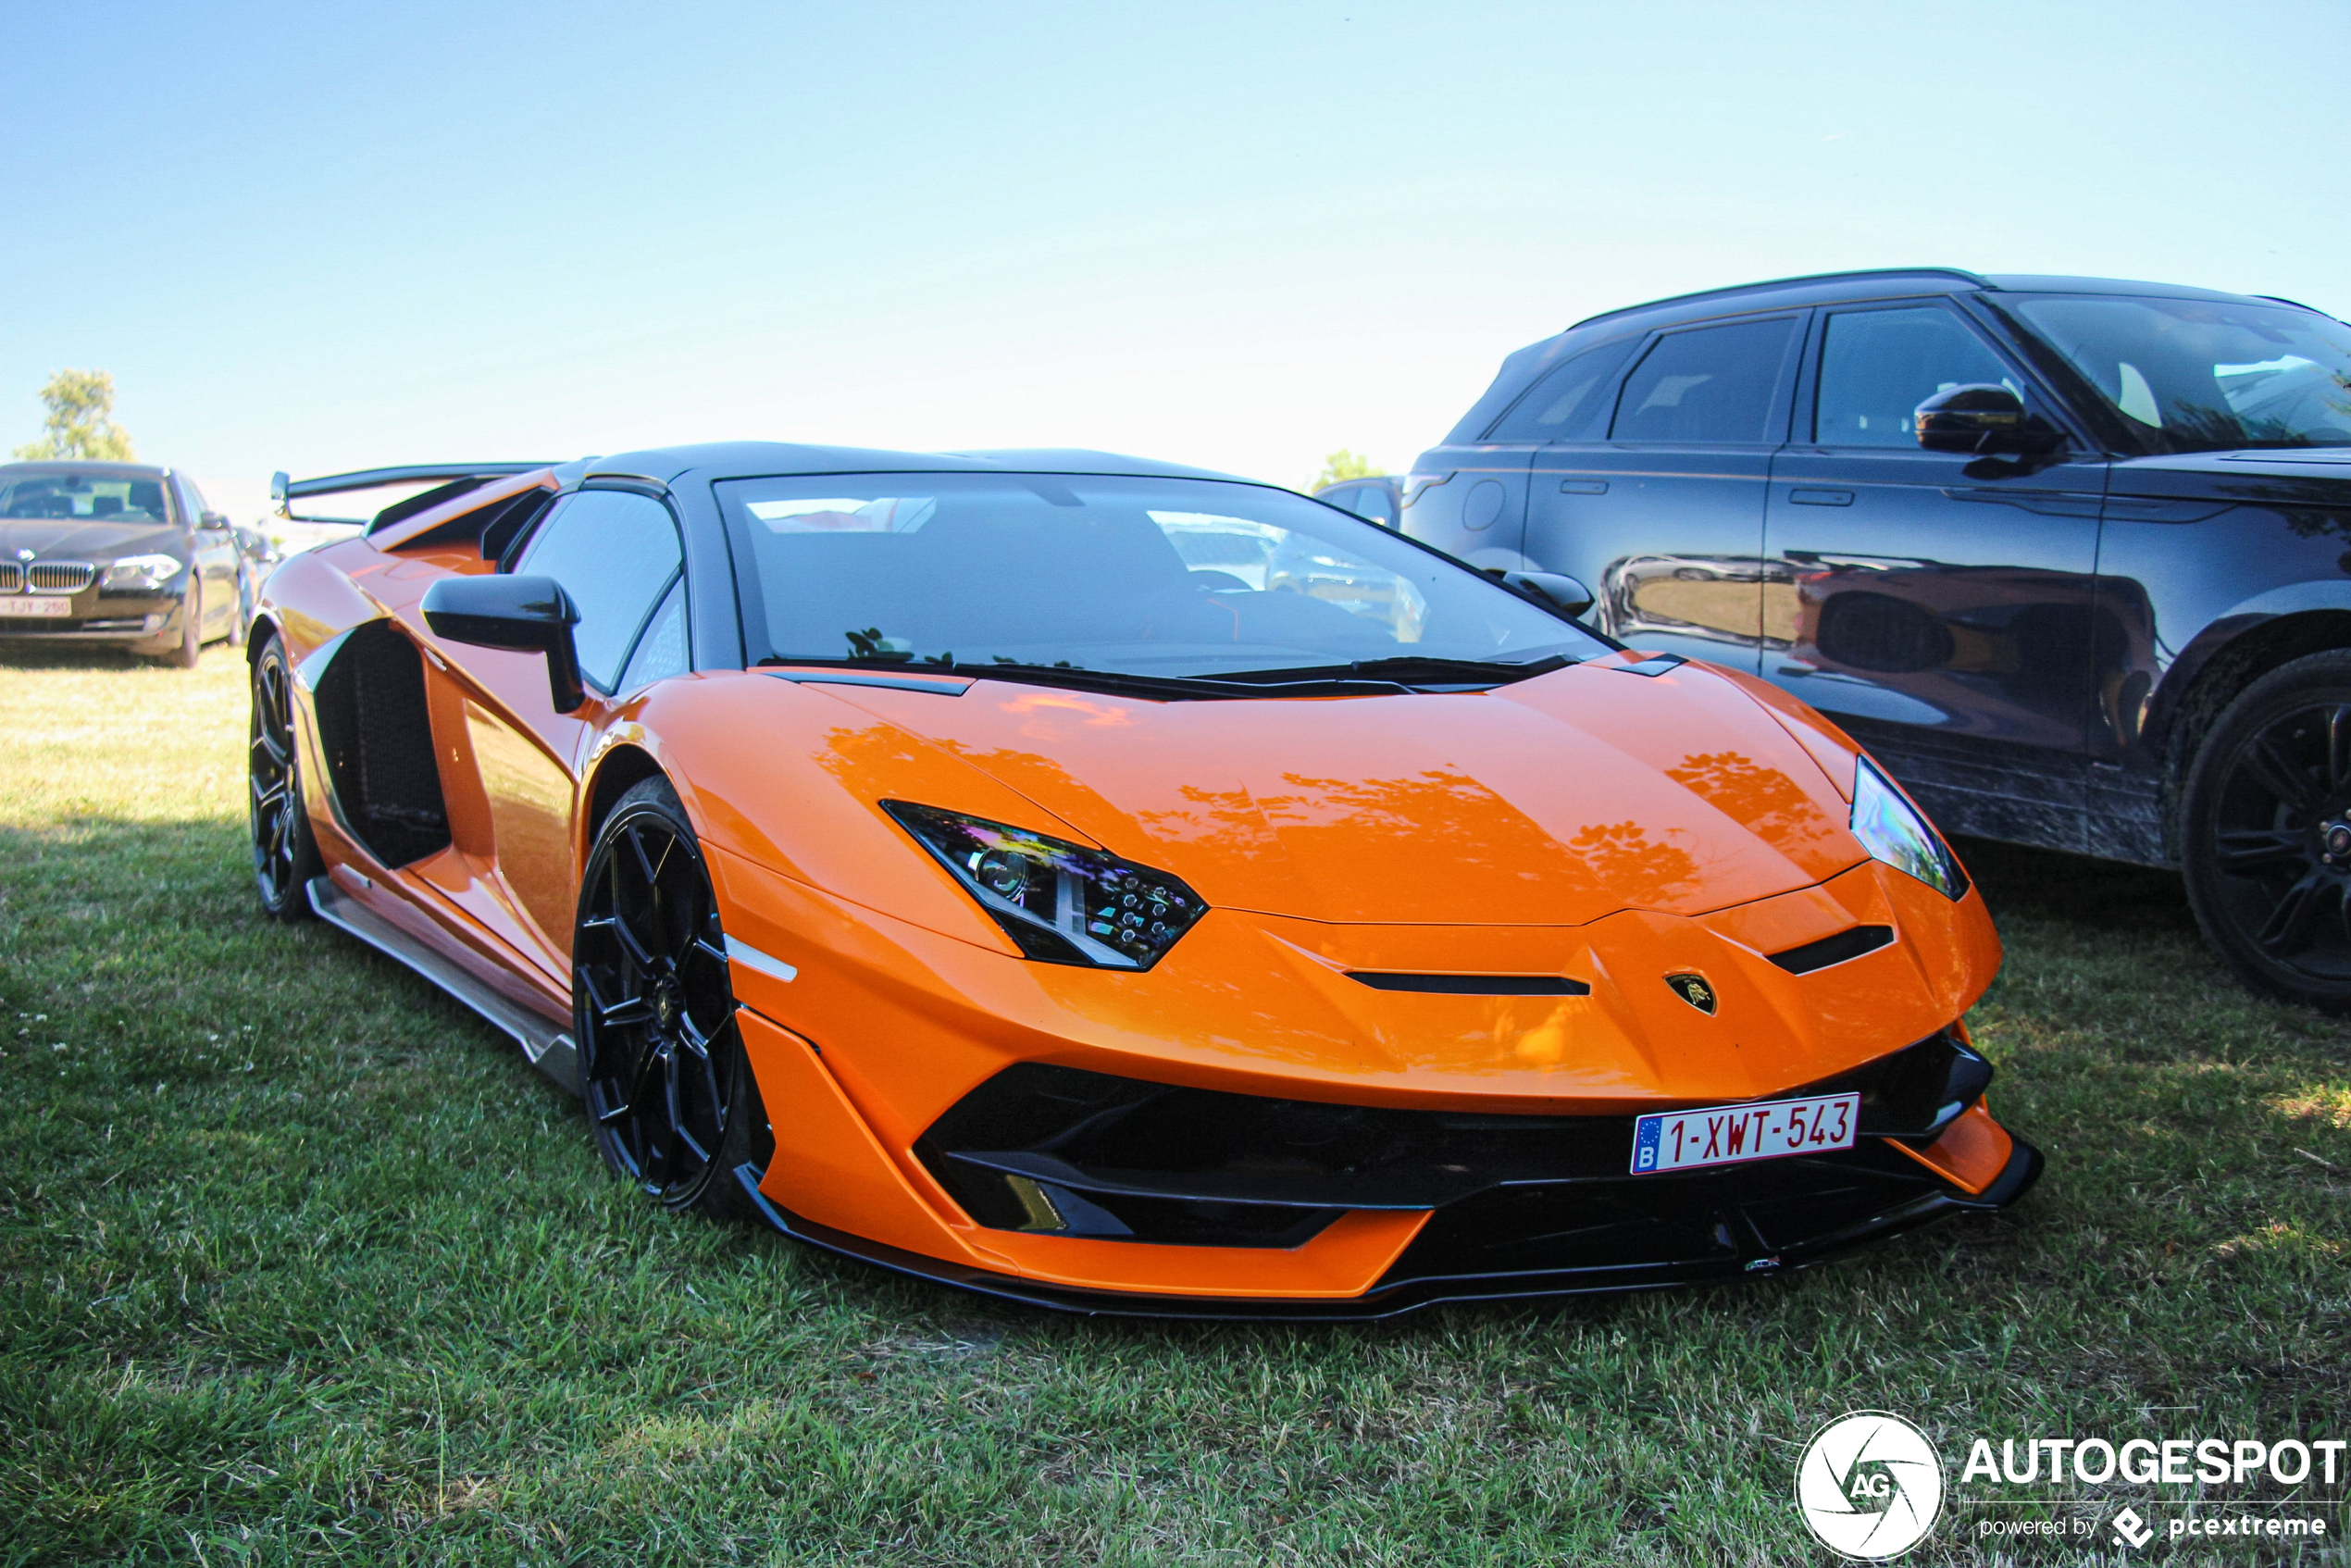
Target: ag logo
1870, 1485
1693, 990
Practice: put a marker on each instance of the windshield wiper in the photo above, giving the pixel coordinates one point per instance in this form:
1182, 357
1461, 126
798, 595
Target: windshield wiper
1409, 670
1115, 683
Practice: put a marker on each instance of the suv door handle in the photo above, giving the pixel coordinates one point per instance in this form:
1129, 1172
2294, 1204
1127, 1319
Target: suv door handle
1582, 487
1821, 497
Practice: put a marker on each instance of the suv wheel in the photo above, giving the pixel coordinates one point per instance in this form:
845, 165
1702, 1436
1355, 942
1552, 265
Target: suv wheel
2266, 833
190, 627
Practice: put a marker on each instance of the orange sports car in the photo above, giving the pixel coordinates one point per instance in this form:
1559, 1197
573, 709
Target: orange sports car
1120, 886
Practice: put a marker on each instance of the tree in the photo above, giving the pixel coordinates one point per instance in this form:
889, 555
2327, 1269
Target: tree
79, 423
1344, 464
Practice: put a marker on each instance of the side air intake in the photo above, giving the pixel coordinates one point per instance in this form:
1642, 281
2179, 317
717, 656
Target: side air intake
376, 733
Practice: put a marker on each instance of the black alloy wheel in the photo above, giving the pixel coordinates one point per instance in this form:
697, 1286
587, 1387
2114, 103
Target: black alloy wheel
2267, 834
661, 1060
190, 625
285, 857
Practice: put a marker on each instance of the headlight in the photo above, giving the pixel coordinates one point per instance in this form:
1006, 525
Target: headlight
1893, 831
141, 573
1061, 902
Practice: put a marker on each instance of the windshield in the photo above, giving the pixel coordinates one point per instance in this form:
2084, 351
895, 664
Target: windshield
1152, 577
2207, 376
82, 496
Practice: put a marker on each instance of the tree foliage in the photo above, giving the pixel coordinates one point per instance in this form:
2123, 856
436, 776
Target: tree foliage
81, 421
1344, 464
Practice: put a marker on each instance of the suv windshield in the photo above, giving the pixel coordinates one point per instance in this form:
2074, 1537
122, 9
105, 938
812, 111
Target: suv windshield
82, 496
2207, 376
1149, 577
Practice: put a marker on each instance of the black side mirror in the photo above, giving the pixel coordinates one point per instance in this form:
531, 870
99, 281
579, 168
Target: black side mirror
530, 614
213, 520
1980, 419
1566, 594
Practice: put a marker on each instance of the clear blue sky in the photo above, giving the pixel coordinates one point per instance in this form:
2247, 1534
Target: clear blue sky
326, 236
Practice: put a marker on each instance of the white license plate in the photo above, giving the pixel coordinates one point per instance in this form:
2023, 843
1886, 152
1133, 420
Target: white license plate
57, 608
1731, 1135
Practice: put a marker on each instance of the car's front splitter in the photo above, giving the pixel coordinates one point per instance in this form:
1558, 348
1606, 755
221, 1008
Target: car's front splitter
1740, 1224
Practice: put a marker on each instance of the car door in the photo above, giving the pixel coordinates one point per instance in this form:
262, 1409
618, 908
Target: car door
1654, 496
1940, 604
215, 557
616, 552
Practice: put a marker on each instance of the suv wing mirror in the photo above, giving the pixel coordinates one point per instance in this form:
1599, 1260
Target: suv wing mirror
530, 614
1981, 419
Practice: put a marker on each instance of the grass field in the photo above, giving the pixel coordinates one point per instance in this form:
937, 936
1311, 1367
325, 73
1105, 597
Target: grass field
298, 1260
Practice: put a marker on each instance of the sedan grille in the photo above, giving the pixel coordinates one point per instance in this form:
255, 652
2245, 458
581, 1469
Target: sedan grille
59, 577
11, 576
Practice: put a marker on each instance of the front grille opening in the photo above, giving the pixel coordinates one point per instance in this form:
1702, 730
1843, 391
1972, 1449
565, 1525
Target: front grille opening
59, 577
1062, 1151
1833, 950
1472, 985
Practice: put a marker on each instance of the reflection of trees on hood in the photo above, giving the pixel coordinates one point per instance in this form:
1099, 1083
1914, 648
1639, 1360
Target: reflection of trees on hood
2313, 508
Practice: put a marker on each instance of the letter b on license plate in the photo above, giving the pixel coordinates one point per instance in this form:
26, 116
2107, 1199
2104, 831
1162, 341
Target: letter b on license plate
1731, 1135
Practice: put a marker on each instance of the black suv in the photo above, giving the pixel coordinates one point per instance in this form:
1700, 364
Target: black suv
2068, 554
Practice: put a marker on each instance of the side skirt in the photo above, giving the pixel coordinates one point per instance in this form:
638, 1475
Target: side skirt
546, 1047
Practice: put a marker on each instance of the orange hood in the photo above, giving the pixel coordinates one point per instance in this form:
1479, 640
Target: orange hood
1556, 801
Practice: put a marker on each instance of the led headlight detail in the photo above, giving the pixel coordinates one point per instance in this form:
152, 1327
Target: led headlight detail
1893, 831
141, 573
1063, 902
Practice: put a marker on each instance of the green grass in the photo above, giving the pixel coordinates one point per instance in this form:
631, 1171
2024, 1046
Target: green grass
299, 1260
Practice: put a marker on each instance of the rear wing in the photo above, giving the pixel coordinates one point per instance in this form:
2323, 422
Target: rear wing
404, 492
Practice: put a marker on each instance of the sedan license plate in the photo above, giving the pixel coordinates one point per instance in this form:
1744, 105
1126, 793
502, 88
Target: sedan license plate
57, 608
1730, 1134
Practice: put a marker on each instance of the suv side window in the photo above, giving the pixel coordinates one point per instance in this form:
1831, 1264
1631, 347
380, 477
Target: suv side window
1878, 366
616, 554
1709, 385
1560, 406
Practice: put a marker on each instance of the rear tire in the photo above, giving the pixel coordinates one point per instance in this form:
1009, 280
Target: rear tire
2266, 833
285, 855
669, 1093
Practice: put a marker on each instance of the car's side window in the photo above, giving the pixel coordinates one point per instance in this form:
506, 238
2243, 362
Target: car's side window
1371, 503
661, 651
616, 554
1708, 385
1878, 366
1562, 404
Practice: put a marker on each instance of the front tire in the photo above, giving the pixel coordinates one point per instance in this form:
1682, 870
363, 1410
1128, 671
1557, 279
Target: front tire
285, 856
2266, 833
190, 627
668, 1091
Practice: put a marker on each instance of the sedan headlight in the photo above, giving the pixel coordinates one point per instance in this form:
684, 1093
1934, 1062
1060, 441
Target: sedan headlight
1893, 831
142, 574
1061, 902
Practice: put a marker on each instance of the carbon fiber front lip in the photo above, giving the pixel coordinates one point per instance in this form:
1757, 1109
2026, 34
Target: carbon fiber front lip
1394, 1301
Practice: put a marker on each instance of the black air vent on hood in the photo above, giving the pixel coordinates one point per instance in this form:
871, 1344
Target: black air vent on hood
1833, 950
1473, 985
